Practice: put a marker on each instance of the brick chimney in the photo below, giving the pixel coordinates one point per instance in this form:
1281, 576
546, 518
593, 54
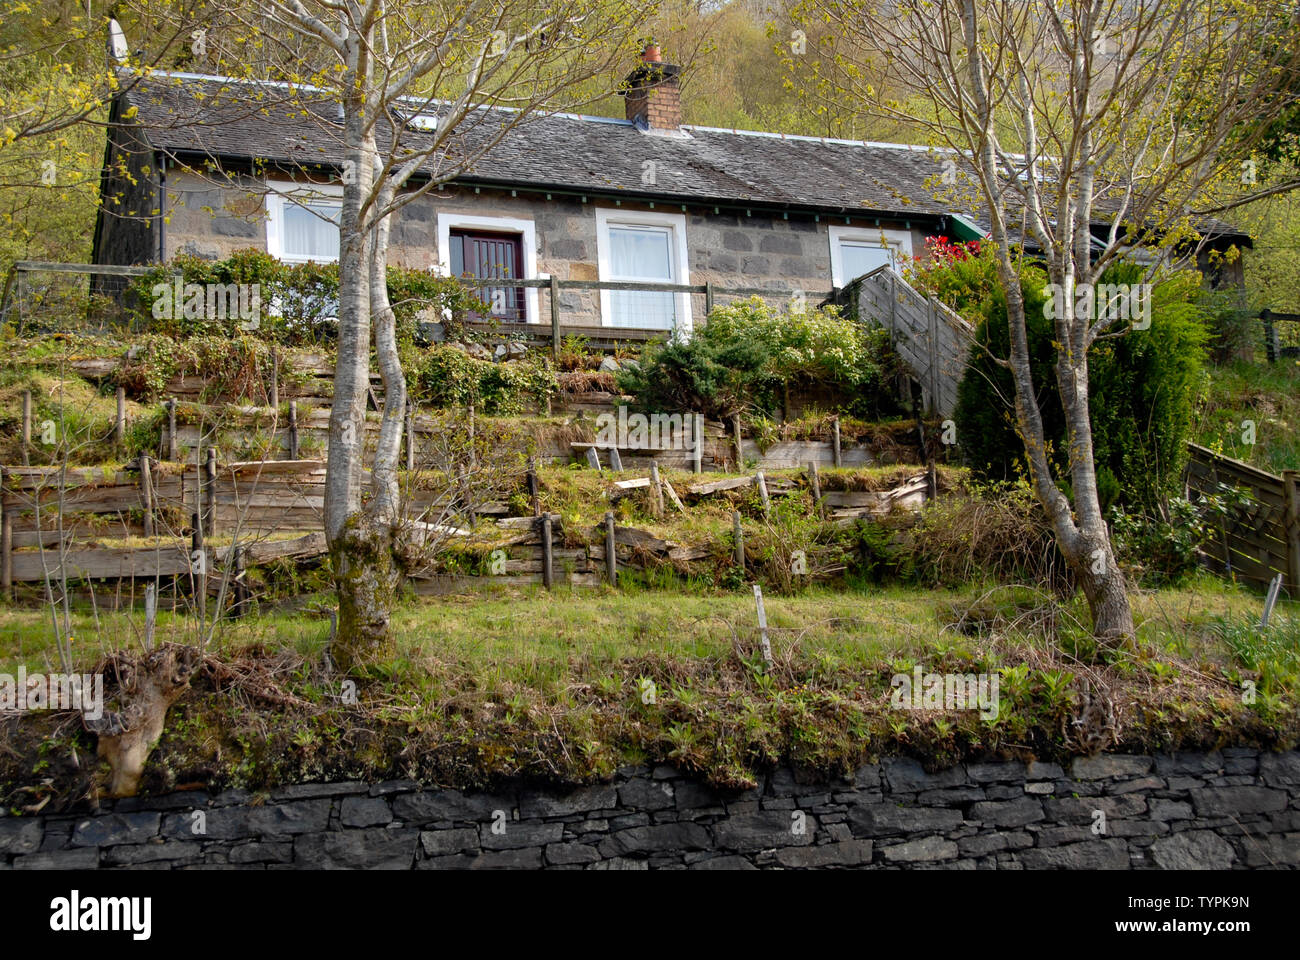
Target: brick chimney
653, 93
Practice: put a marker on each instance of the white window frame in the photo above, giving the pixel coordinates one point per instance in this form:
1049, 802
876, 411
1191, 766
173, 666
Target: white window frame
610, 216
528, 235
899, 241
279, 195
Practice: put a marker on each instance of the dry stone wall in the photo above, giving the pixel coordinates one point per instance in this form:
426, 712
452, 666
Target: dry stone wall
1238, 809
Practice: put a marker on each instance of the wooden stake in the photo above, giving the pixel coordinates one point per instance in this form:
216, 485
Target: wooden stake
172, 455
293, 429
146, 493
119, 425
762, 626
611, 557
835, 441
548, 575
1270, 601
150, 614
239, 607
738, 535
6, 536
532, 487
697, 455
736, 440
761, 483
656, 491
815, 477
200, 581
210, 476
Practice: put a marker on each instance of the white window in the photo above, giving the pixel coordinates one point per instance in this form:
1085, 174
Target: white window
302, 222
859, 250
460, 224
650, 248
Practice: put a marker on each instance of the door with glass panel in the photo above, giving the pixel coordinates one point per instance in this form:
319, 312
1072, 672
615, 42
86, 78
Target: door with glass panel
643, 253
491, 256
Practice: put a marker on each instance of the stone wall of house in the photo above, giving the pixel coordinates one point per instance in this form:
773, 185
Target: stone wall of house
729, 249
1238, 808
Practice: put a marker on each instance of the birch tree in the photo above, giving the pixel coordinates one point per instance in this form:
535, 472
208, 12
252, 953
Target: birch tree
478, 69
1093, 131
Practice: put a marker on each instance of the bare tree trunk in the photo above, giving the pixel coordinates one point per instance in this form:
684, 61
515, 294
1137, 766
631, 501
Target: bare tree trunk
1080, 528
361, 552
368, 549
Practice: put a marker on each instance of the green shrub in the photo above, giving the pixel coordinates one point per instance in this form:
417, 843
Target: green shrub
751, 357
447, 377
1142, 384
1154, 551
299, 301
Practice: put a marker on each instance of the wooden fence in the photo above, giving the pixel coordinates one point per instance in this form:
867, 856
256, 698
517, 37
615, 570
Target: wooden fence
931, 338
1261, 539
1273, 348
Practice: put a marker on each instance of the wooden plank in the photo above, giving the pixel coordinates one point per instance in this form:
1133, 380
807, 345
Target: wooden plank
96, 562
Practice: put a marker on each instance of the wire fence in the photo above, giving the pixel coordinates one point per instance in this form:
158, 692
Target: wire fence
73, 298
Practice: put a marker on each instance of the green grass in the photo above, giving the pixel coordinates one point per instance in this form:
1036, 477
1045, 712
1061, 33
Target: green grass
1268, 395
525, 683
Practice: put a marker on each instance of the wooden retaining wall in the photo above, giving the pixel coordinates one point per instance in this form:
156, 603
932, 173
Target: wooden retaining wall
1256, 542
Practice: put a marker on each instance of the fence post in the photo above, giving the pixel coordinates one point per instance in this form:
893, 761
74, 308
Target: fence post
815, 476
7, 536
656, 490
548, 576
761, 483
735, 439
762, 626
1272, 347
697, 463
532, 487
293, 429
1291, 487
611, 557
835, 441
150, 614
172, 447
119, 425
738, 535
210, 475
146, 493
200, 580
555, 317
708, 299
934, 355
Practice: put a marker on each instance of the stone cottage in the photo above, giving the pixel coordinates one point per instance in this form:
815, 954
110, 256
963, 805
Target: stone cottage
206, 166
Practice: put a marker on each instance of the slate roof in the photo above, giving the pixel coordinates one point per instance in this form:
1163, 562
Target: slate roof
186, 114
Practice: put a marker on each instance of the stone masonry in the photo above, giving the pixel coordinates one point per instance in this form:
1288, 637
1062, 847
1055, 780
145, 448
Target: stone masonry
1238, 809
